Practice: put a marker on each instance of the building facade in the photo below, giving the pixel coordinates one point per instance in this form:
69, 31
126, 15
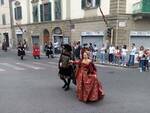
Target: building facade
64, 21
43, 21
5, 23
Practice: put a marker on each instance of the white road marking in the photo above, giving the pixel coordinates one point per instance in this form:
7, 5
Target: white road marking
12, 66
30, 66
2, 70
54, 63
42, 64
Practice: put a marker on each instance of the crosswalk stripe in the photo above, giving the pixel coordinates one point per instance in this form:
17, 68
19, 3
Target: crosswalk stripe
53, 63
51, 66
12, 66
30, 66
42, 64
2, 70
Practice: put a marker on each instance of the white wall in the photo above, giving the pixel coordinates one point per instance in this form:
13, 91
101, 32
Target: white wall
105, 6
129, 5
4, 9
76, 10
25, 7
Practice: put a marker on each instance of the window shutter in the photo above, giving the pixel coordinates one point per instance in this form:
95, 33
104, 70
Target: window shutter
41, 12
97, 3
49, 11
83, 3
20, 12
35, 13
15, 13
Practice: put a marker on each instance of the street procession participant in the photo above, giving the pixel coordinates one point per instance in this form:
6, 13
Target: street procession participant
36, 51
21, 50
65, 68
88, 86
49, 50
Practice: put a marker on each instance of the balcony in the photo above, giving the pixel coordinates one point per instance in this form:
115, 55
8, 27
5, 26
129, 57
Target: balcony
141, 10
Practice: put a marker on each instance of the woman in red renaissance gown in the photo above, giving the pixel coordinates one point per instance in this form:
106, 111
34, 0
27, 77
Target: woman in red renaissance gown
88, 86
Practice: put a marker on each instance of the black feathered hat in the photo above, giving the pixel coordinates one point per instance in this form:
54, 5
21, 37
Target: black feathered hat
67, 47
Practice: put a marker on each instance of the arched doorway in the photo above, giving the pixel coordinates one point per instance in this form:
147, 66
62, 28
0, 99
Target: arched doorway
46, 36
57, 39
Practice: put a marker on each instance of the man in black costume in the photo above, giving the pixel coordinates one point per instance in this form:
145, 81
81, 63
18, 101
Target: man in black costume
65, 68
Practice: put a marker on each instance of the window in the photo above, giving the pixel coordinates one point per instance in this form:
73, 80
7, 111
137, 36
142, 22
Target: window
35, 14
57, 9
3, 19
18, 13
88, 4
2, 2
45, 10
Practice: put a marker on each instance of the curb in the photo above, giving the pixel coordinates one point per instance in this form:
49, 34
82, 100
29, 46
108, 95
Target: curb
113, 65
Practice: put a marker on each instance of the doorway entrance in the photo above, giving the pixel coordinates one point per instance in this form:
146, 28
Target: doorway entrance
46, 36
6, 38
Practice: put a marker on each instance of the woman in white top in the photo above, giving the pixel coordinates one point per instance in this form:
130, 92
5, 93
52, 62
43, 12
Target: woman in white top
102, 54
111, 54
124, 55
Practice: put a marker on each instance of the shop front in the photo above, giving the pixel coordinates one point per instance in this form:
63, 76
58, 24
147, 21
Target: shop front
96, 38
140, 38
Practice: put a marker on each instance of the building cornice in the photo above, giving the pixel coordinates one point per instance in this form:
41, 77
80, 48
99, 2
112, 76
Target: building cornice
84, 20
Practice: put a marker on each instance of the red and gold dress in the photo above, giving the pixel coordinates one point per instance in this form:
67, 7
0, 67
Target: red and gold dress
88, 86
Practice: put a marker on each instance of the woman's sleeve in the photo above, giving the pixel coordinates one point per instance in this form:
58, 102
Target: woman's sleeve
92, 69
77, 62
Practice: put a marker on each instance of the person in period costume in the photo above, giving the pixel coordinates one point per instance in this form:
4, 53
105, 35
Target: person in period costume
4, 46
88, 87
36, 51
49, 50
21, 50
65, 68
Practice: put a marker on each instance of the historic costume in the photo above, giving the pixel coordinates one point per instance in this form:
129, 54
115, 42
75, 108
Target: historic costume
36, 51
21, 51
88, 86
65, 69
49, 51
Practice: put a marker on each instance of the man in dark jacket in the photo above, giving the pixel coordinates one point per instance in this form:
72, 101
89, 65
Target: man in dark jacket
65, 69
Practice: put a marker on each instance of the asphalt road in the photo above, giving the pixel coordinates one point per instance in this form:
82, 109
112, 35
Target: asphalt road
33, 86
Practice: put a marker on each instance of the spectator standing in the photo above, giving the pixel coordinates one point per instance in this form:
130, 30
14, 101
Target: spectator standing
111, 54
124, 55
102, 54
77, 50
132, 55
141, 58
147, 55
91, 50
117, 55
95, 50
